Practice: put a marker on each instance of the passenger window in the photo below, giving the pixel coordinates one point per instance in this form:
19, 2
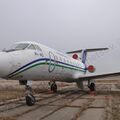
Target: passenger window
68, 61
56, 58
60, 59
64, 60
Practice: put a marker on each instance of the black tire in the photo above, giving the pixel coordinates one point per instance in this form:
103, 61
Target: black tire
30, 100
92, 86
54, 87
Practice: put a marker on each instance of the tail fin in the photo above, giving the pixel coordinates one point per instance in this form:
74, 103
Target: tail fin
84, 56
85, 51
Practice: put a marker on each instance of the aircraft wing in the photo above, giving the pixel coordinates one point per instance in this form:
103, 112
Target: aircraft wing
84, 78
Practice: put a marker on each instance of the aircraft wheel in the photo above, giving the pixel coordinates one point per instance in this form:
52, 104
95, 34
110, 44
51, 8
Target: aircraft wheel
54, 87
92, 86
30, 100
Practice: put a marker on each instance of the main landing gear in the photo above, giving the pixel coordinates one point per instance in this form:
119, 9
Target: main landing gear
53, 86
30, 99
91, 86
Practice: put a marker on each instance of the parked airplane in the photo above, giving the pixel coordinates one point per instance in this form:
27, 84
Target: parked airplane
32, 61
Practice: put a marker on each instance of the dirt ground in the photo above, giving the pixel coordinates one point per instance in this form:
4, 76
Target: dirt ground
10, 89
105, 105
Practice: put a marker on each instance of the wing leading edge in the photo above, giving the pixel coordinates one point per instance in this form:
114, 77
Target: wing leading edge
85, 78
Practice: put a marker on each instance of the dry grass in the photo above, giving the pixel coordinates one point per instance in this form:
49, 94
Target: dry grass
6, 118
7, 95
10, 89
15, 94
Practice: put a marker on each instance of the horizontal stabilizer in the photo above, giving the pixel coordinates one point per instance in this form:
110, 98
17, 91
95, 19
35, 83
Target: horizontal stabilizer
87, 50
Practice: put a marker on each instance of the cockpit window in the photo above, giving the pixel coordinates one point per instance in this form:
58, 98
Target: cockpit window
21, 46
32, 47
15, 47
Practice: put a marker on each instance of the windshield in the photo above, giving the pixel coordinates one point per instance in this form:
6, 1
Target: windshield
20, 46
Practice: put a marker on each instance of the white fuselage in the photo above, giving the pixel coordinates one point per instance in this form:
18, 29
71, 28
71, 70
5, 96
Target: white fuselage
42, 64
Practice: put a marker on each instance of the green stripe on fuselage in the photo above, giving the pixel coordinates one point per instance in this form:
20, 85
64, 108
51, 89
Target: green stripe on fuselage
46, 63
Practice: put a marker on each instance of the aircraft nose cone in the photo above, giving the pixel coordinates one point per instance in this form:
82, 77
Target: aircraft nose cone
5, 64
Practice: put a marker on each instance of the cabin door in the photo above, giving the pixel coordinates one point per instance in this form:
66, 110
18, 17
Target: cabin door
52, 62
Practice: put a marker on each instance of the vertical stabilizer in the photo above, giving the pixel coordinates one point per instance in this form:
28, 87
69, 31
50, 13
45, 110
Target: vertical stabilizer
84, 56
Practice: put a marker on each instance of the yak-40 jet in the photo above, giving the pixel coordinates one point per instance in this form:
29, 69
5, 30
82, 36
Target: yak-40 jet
32, 61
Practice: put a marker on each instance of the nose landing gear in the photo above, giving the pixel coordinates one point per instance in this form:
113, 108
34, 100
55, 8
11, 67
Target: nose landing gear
30, 99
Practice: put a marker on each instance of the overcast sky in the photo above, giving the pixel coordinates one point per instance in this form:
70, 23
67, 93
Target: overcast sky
63, 24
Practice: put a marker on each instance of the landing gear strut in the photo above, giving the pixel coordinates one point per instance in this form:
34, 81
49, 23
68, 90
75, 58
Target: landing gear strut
30, 99
53, 86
